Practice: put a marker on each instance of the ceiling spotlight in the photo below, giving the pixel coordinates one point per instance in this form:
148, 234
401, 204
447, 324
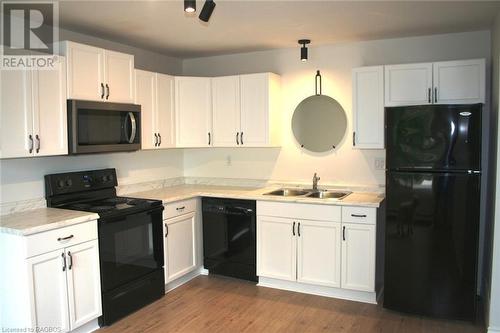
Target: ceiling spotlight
303, 49
189, 6
207, 10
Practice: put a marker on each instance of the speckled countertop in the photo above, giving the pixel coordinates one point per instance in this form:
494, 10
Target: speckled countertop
42, 219
182, 192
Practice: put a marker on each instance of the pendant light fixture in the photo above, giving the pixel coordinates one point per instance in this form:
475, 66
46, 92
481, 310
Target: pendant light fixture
190, 6
207, 10
303, 49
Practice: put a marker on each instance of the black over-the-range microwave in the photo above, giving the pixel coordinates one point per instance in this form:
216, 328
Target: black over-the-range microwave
100, 127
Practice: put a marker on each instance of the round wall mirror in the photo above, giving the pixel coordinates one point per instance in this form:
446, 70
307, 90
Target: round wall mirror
319, 123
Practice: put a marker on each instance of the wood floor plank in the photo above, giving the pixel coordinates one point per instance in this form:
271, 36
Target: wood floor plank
218, 304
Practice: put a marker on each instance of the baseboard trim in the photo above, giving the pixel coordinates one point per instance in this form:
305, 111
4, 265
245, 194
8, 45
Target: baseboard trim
91, 326
351, 295
183, 279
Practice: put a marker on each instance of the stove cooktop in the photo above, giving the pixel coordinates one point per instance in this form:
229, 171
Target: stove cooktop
113, 205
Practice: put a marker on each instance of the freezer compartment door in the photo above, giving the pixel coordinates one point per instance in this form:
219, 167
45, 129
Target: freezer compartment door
440, 137
432, 228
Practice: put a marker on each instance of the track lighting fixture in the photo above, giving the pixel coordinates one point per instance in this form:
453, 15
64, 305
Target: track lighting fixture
207, 10
303, 49
190, 6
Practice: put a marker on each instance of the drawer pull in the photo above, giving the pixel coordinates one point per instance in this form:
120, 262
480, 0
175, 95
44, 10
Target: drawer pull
64, 238
180, 208
166, 230
343, 233
63, 262
70, 260
357, 215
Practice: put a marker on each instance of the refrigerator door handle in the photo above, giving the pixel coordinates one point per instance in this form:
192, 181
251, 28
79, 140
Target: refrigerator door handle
465, 124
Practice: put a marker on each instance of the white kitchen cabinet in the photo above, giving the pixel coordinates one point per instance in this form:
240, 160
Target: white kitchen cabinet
47, 291
84, 283
260, 110
459, 82
33, 112
276, 248
154, 92
368, 107
409, 84
226, 111
318, 253
358, 256
180, 246
193, 112
97, 74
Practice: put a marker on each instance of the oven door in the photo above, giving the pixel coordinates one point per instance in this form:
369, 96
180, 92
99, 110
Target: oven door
130, 247
98, 127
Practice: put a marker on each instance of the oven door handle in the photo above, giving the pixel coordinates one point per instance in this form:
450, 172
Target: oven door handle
133, 123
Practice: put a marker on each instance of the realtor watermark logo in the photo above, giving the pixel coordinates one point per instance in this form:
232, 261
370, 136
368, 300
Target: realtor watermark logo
30, 32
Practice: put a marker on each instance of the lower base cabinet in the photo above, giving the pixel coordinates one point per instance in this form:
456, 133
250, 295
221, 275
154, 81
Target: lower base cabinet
181, 236
323, 250
54, 284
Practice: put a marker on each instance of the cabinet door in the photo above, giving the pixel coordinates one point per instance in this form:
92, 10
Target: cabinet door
193, 114
368, 107
276, 248
358, 257
318, 253
409, 84
255, 109
84, 283
226, 110
16, 113
48, 292
459, 82
85, 66
180, 250
165, 113
145, 96
50, 127
119, 77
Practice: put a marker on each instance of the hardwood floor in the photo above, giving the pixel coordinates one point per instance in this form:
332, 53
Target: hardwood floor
217, 304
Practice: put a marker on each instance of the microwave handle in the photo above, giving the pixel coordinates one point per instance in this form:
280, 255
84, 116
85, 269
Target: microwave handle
133, 132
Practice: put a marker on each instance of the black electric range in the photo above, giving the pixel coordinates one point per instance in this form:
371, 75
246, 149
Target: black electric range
130, 238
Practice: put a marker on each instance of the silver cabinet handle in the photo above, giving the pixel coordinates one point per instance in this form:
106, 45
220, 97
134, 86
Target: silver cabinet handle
298, 229
64, 238
107, 91
209, 139
429, 97
358, 215
353, 139
159, 140
241, 137
180, 208
70, 260
30, 137
435, 94
166, 230
343, 233
156, 140
293, 228
102, 90
63, 262
38, 143
237, 138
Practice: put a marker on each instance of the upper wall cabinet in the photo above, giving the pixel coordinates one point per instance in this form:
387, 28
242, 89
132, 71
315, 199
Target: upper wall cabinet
33, 112
97, 74
368, 107
246, 110
459, 82
448, 82
409, 84
193, 112
155, 93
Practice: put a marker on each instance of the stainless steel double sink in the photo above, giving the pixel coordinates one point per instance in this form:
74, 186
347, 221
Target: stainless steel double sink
309, 193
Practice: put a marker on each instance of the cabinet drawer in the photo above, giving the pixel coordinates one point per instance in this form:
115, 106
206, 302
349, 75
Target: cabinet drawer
179, 208
353, 214
52, 240
299, 211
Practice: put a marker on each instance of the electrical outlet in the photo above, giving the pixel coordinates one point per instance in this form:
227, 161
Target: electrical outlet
229, 161
379, 163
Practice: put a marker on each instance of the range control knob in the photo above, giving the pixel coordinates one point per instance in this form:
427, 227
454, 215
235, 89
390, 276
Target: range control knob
69, 182
60, 183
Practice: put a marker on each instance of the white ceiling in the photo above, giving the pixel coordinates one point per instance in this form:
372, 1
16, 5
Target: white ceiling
251, 25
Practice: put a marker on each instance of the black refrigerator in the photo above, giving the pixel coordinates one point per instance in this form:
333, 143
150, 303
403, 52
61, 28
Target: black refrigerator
433, 181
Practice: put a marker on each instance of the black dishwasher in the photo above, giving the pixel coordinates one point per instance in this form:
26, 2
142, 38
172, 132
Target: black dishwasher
229, 242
